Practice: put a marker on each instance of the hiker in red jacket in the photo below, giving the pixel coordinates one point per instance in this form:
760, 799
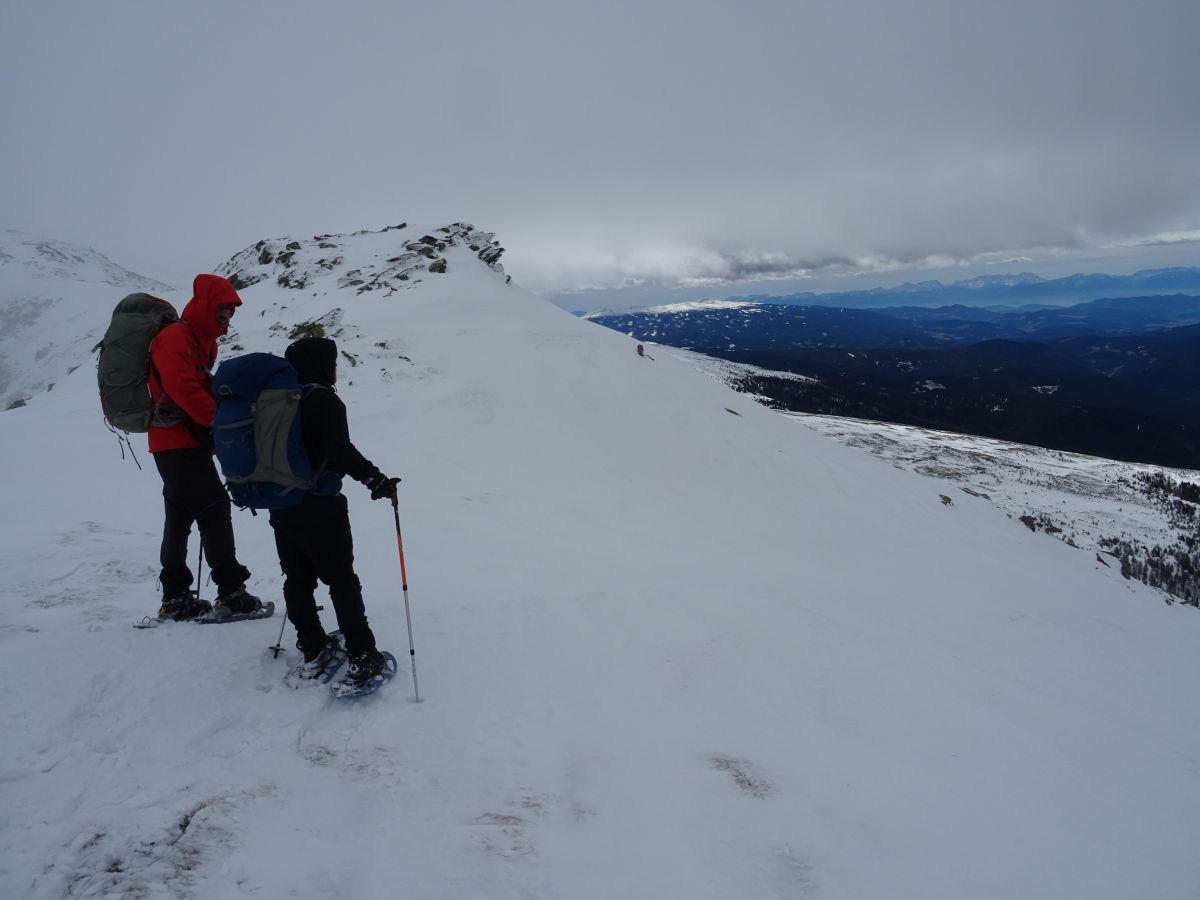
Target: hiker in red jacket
181, 360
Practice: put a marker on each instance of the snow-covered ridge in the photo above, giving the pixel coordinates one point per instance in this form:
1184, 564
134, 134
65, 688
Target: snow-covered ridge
690, 306
55, 302
56, 298
25, 257
725, 370
391, 259
705, 305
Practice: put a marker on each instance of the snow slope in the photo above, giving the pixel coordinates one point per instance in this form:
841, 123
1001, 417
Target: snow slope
1092, 503
49, 291
669, 645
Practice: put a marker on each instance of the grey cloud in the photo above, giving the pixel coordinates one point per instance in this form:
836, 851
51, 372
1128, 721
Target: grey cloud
1169, 239
751, 266
606, 142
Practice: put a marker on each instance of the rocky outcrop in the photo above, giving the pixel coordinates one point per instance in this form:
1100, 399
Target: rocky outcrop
379, 264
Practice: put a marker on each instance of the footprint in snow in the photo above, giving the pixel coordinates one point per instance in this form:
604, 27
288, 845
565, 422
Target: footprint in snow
107, 861
507, 833
377, 763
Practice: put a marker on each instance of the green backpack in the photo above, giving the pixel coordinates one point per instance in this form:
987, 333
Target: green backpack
123, 369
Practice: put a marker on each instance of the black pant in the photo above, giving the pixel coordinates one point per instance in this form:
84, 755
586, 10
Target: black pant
192, 492
314, 542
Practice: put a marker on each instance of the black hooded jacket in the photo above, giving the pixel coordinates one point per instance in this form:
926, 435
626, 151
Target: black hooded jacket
323, 414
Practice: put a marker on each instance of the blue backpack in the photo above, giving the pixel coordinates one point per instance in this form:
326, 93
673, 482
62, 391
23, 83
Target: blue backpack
257, 435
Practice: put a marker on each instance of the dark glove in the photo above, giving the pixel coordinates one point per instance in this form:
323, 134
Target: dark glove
202, 434
381, 486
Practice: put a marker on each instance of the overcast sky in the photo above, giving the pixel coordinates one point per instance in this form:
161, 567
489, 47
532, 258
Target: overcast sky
655, 144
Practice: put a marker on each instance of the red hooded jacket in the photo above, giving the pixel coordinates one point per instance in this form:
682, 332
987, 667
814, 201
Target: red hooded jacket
182, 357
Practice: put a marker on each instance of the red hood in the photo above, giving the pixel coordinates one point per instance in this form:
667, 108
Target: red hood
209, 292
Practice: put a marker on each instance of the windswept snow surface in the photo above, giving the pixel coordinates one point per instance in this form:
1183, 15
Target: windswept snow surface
669, 645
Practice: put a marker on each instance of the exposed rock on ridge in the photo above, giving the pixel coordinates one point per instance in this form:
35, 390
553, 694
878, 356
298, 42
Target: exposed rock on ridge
401, 264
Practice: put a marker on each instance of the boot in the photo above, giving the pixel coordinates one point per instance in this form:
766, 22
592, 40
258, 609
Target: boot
236, 602
184, 605
316, 661
365, 665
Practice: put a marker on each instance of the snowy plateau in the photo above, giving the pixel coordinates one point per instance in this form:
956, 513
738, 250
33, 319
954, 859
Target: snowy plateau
671, 643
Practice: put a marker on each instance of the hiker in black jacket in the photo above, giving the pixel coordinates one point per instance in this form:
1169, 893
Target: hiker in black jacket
313, 538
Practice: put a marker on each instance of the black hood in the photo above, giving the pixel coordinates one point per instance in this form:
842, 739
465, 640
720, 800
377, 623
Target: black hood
315, 360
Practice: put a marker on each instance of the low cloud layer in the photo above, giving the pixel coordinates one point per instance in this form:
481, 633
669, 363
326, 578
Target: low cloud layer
671, 143
1168, 239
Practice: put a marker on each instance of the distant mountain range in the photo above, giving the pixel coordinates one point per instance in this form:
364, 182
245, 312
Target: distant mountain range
1118, 378
753, 326
1025, 288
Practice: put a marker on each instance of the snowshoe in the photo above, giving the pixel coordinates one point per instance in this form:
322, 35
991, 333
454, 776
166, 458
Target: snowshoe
368, 672
321, 666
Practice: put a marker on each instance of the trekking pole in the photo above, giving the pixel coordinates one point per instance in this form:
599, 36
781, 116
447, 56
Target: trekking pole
199, 568
278, 647
412, 651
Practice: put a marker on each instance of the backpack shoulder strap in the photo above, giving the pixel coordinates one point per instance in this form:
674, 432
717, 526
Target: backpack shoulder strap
306, 391
155, 375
